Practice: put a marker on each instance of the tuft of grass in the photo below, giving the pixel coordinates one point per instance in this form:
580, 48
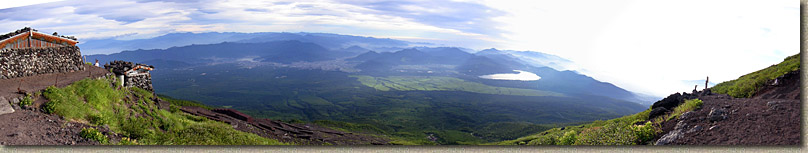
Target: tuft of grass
132, 113
127, 141
94, 134
746, 85
689, 105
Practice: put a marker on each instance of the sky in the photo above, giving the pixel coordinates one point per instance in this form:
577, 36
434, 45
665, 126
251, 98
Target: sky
653, 47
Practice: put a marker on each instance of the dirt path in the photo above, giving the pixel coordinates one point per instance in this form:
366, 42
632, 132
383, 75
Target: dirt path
8, 87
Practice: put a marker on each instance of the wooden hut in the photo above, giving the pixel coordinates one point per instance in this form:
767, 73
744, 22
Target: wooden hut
31, 38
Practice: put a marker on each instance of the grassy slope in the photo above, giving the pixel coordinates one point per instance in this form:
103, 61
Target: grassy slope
619, 131
428, 83
132, 113
747, 85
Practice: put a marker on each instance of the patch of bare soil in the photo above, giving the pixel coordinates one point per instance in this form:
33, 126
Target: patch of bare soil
28, 127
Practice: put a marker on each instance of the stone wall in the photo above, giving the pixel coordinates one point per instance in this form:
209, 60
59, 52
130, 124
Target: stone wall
34, 61
140, 81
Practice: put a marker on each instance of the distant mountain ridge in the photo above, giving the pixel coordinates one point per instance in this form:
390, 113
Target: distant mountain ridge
279, 51
437, 90
287, 48
326, 40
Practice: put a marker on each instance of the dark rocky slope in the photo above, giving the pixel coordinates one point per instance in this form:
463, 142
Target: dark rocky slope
770, 117
286, 132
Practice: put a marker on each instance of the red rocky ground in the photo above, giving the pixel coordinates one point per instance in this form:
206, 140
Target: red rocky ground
771, 117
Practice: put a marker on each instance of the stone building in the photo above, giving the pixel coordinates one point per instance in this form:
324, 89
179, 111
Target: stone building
131, 75
26, 52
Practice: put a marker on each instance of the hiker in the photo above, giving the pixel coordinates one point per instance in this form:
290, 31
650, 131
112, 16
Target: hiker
96, 63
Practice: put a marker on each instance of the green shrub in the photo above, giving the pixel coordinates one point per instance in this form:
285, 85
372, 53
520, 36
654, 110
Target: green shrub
544, 140
97, 119
94, 134
138, 128
26, 101
569, 138
645, 132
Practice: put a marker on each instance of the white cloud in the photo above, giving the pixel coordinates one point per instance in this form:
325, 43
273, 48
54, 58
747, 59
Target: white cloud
16, 3
130, 19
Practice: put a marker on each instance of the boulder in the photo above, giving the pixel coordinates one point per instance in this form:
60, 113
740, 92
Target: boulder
669, 102
678, 132
670, 137
659, 111
5, 106
717, 114
706, 92
774, 105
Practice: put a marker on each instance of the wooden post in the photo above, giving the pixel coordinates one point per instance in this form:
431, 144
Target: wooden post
705, 82
694, 88
19, 86
30, 34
